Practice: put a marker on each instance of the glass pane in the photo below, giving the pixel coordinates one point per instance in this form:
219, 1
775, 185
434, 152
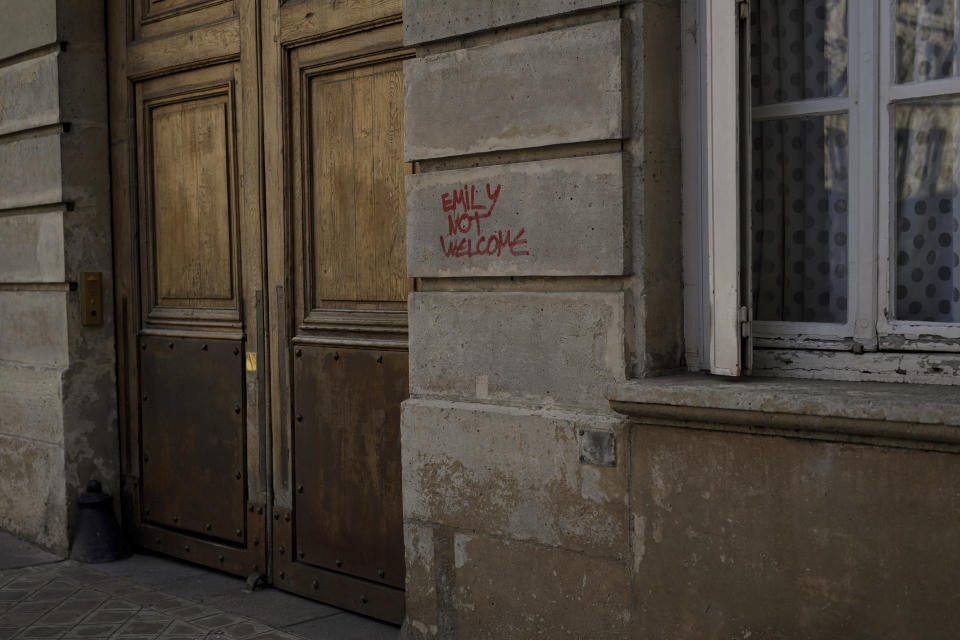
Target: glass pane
927, 171
928, 34
800, 190
798, 50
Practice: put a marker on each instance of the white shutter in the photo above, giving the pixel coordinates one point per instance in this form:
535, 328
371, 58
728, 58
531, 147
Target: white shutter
723, 181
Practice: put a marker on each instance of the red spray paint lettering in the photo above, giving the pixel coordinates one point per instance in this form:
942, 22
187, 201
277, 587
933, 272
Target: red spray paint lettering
464, 213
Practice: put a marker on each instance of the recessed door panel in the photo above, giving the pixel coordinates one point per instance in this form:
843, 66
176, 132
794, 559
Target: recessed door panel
347, 461
191, 164
356, 182
192, 452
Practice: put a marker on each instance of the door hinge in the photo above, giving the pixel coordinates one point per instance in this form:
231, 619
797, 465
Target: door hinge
743, 9
744, 319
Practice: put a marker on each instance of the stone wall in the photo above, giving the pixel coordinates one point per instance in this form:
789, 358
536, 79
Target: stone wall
543, 226
57, 378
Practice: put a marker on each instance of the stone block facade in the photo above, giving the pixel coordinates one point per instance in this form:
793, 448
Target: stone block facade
530, 116
559, 479
57, 377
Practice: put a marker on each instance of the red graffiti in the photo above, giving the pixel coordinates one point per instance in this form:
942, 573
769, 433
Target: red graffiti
471, 212
464, 213
491, 245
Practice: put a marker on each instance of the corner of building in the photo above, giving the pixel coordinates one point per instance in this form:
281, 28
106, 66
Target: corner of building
58, 399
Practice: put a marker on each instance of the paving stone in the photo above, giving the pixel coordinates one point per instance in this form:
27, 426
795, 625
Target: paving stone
32, 605
151, 570
109, 617
217, 621
70, 601
92, 631
179, 628
244, 630
13, 595
19, 619
83, 600
40, 631
85, 576
168, 603
122, 587
204, 587
146, 623
50, 593
16, 553
61, 616
27, 582
346, 626
149, 629
273, 607
192, 612
120, 605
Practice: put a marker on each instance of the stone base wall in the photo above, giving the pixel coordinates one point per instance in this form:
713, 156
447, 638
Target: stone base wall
738, 535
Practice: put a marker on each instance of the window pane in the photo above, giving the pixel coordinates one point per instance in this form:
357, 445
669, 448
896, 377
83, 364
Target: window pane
798, 50
799, 190
928, 34
927, 169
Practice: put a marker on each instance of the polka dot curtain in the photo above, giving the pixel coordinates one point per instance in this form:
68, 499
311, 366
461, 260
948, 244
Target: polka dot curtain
801, 164
800, 180
926, 165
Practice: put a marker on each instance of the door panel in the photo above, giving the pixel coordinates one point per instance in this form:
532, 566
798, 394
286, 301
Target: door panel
342, 344
355, 208
188, 238
193, 437
347, 461
188, 166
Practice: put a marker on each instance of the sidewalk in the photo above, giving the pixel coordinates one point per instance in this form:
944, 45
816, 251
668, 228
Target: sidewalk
151, 597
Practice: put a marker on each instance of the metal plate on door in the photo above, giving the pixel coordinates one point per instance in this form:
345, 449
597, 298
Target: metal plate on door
347, 491
192, 453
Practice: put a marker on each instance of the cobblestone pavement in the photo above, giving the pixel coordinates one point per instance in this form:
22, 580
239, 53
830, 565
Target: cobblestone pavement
148, 597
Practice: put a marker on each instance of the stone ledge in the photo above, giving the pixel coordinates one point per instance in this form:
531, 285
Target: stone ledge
885, 414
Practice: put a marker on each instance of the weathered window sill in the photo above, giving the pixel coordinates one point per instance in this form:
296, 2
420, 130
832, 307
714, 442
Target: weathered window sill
883, 414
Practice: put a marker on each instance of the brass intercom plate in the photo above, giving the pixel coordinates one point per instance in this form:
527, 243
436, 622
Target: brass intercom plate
91, 298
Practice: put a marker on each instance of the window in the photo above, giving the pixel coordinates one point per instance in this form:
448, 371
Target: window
845, 219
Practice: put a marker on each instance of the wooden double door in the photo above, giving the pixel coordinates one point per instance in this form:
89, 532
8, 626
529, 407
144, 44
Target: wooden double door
261, 289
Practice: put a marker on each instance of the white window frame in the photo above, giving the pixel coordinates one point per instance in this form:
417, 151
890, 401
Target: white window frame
860, 326
902, 334
715, 294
